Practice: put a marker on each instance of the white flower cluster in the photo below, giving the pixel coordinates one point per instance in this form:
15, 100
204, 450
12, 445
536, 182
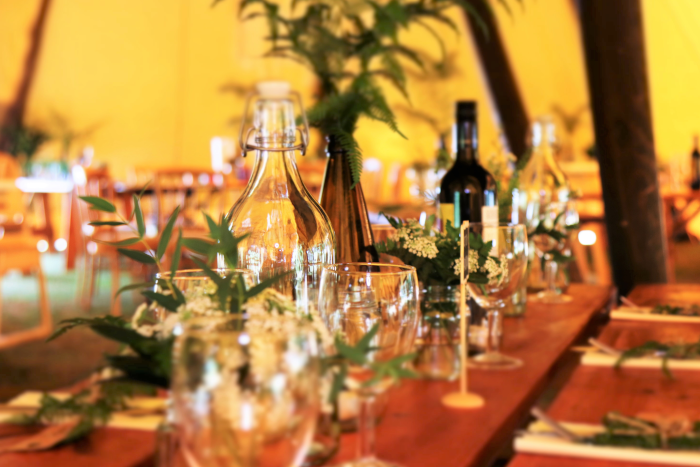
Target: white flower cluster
408, 230
412, 237
457, 266
496, 270
146, 322
422, 246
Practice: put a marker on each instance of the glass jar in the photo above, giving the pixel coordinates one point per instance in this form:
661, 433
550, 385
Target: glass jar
287, 231
437, 341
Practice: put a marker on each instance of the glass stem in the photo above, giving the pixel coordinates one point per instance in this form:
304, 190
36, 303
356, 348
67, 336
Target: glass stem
365, 428
550, 271
493, 336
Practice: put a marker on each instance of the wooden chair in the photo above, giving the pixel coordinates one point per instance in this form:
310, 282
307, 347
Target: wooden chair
18, 250
190, 188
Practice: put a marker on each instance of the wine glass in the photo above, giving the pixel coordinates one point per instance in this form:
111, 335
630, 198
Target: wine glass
354, 298
244, 399
497, 262
549, 237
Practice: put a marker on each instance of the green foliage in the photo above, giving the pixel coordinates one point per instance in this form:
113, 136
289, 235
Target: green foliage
693, 310
624, 431
90, 410
349, 51
360, 354
441, 268
24, 140
667, 352
437, 270
558, 235
147, 359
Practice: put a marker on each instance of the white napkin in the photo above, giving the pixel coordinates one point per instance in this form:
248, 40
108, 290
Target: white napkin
32, 399
539, 439
595, 358
645, 314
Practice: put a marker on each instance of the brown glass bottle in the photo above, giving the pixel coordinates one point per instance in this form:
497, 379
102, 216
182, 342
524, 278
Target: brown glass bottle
346, 209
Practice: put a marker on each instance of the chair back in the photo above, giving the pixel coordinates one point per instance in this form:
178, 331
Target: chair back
372, 180
12, 206
192, 189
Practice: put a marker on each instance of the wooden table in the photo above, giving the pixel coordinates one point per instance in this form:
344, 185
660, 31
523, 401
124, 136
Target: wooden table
593, 391
417, 431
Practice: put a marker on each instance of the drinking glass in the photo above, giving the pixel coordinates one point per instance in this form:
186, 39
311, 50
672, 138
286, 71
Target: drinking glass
355, 297
493, 280
244, 399
549, 237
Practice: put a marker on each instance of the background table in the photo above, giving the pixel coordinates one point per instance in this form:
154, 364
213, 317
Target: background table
593, 391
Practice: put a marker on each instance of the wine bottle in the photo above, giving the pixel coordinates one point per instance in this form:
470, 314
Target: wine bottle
346, 208
467, 191
695, 166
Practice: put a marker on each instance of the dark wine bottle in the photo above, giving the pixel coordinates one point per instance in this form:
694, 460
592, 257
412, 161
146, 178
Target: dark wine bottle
346, 208
467, 191
695, 166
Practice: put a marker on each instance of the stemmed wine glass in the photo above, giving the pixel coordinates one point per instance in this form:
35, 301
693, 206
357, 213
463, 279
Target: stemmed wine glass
354, 299
242, 399
554, 222
497, 261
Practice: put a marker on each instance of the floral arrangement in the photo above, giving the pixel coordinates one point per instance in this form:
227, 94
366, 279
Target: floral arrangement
145, 363
436, 255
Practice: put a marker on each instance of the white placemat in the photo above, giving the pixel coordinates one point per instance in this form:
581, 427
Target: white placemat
595, 358
645, 314
539, 439
117, 420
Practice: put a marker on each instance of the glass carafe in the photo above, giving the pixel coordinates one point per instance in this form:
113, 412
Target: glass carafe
288, 232
542, 182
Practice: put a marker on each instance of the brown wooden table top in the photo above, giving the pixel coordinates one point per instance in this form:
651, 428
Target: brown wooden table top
416, 430
593, 391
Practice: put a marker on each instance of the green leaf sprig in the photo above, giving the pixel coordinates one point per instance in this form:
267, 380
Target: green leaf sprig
693, 310
559, 236
360, 355
636, 432
680, 351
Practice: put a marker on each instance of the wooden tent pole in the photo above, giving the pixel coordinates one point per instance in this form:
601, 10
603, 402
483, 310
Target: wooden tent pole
504, 89
14, 114
613, 39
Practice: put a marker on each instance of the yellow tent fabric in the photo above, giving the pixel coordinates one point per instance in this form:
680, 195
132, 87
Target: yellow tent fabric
145, 78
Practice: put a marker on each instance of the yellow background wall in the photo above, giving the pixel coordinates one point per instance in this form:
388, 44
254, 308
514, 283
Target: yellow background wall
147, 76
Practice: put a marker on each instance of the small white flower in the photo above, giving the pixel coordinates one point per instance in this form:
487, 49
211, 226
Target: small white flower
457, 266
422, 246
473, 261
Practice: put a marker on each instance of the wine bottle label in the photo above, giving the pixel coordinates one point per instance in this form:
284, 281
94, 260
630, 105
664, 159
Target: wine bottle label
447, 213
489, 217
489, 214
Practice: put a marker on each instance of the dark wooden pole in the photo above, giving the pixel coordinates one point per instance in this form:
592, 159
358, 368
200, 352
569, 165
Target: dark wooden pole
613, 39
14, 115
504, 89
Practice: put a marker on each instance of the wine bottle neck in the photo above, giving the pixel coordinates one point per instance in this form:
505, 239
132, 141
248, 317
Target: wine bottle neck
466, 141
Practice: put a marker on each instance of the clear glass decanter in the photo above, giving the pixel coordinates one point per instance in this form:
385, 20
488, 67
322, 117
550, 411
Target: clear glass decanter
542, 182
287, 229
